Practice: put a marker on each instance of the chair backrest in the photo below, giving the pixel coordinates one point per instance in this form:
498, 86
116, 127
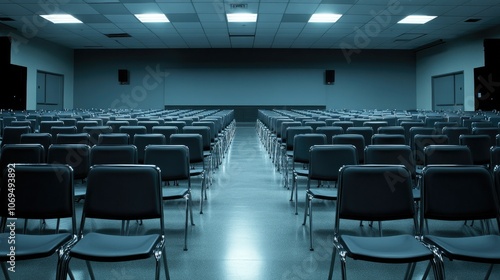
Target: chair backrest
494, 156
343, 124
135, 191
178, 124
115, 125
113, 154
420, 141
388, 139
142, 140
148, 125
75, 155
407, 125
95, 131
172, 160
77, 138
81, 124
420, 130
54, 130
37, 138
45, 126
457, 193
365, 131
29, 123
42, 191
303, 144
315, 124
430, 121
326, 160
113, 139
391, 154
490, 131
193, 141
395, 129
354, 139
204, 131
365, 193
132, 130
285, 126
21, 153
447, 154
375, 124
12, 134
329, 132
211, 125
68, 121
295, 130
131, 121
454, 132
165, 130
479, 146
440, 125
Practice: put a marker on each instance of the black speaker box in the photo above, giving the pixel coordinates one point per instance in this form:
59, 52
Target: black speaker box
4, 50
123, 76
492, 53
329, 77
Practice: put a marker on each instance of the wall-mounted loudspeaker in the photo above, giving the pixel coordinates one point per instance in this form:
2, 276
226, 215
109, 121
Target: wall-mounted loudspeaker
123, 76
329, 77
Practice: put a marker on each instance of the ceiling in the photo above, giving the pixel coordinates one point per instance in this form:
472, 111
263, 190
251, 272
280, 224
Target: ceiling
280, 23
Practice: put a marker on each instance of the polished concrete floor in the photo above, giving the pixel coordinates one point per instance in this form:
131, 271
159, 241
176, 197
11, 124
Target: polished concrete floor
249, 231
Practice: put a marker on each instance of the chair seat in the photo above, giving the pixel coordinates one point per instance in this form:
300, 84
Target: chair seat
32, 246
398, 249
323, 193
112, 248
485, 248
196, 171
169, 193
302, 172
80, 191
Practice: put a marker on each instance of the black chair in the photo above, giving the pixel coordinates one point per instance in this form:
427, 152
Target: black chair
132, 130
165, 130
382, 200
81, 124
54, 130
45, 139
45, 126
388, 139
494, 157
354, 139
113, 139
142, 140
95, 131
447, 154
421, 131
148, 125
12, 134
396, 129
329, 132
454, 132
194, 142
173, 161
136, 193
78, 157
365, 131
115, 125
324, 164
479, 146
287, 146
302, 147
420, 141
42, 191
407, 125
21, 153
455, 193
490, 131
77, 138
113, 154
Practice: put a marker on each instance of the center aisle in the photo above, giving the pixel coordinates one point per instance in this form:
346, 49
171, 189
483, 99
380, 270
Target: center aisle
249, 230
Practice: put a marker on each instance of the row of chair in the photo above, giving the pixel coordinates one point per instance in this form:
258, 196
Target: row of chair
45, 191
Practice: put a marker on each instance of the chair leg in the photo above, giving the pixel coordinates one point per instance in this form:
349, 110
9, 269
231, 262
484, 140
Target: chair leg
91, 271
409, 271
332, 263
306, 209
203, 191
310, 226
296, 196
488, 273
191, 208
165, 265
186, 223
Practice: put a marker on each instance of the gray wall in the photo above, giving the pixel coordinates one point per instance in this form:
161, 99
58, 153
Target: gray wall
371, 80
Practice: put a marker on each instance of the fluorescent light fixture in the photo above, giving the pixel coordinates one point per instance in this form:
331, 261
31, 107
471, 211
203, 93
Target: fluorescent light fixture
241, 17
61, 18
416, 19
152, 18
324, 18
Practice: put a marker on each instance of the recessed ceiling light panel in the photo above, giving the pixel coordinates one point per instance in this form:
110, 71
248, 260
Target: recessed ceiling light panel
61, 18
416, 19
241, 17
331, 18
146, 18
